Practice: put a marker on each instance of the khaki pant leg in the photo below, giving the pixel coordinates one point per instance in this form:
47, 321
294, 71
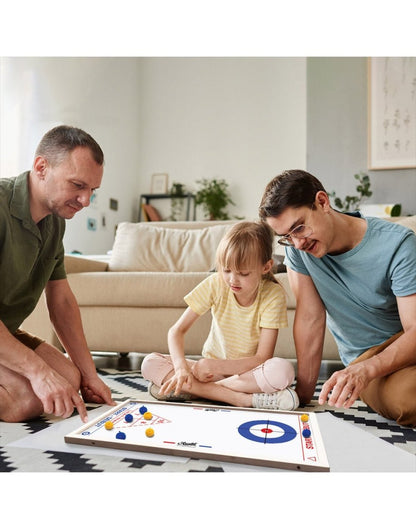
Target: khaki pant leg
392, 396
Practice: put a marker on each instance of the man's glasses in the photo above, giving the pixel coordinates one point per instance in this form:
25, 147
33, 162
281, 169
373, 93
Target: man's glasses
300, 232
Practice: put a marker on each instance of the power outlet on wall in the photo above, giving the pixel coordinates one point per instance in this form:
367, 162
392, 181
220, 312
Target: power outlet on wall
91, 224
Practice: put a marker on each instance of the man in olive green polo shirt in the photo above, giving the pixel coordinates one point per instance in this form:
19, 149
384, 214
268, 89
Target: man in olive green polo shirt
35, 377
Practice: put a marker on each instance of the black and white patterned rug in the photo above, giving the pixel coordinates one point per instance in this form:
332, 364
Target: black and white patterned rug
28, 447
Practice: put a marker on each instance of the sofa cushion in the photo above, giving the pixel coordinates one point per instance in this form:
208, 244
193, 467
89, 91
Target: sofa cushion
408, 222
134, 289
145, 248
77, 264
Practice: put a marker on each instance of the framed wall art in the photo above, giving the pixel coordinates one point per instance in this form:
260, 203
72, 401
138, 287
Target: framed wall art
159, 183
392, 112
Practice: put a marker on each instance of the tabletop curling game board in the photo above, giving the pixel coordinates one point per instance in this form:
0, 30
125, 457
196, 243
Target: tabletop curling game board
289, 440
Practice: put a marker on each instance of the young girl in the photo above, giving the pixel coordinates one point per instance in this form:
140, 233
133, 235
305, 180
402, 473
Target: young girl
248, 308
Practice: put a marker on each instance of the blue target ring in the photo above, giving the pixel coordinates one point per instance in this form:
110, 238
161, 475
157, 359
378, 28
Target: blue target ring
289, 433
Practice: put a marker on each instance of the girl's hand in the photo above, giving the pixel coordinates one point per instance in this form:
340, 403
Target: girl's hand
182, 376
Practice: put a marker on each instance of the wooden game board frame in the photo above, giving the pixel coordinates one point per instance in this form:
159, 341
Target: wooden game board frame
76, 437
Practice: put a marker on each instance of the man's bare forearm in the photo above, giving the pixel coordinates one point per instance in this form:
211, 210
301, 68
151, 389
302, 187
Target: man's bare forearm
309, 347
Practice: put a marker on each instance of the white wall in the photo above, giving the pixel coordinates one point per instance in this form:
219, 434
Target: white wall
99, 95
337, 133
240, 119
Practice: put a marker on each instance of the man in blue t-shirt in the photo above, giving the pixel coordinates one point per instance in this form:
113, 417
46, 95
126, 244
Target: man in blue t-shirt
358, 276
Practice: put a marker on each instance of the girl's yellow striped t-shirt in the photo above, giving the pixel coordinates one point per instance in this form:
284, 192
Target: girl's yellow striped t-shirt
235, 330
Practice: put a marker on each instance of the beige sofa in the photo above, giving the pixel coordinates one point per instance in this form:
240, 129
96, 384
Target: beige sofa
129, 303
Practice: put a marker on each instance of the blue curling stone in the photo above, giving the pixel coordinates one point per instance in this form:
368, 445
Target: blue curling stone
129, 417
121, 435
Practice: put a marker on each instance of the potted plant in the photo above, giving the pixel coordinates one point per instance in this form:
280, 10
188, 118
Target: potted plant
214, 197
353, 202
177, 192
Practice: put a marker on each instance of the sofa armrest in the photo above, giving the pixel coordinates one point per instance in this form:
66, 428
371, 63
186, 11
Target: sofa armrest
77, 265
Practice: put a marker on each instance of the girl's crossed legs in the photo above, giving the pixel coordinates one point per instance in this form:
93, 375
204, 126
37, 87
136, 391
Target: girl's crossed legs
273, 375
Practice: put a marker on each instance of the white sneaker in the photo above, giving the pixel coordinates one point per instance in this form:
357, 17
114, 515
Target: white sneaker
286, 400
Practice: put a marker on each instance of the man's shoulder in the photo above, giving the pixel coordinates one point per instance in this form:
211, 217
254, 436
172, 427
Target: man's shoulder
6, 187
384, 225
390, 233
6, 194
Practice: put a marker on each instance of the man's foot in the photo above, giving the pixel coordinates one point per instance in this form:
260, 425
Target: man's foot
170, 397
286, 400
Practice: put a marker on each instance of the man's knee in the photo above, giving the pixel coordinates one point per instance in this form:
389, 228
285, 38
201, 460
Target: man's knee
394, 396
23, 407
401, 400
21, 412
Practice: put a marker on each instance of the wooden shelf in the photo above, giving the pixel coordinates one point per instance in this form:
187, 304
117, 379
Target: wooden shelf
190, 198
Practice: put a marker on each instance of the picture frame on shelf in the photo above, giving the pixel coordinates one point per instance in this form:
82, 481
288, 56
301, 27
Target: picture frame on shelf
391, 113
159, 183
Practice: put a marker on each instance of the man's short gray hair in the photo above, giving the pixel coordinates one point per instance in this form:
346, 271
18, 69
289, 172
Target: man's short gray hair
57, 143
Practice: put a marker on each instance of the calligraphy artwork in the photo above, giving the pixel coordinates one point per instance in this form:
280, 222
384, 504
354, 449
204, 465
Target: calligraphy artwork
392, 112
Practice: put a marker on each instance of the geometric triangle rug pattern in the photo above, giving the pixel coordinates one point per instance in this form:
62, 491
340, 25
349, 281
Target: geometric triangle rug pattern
130, 384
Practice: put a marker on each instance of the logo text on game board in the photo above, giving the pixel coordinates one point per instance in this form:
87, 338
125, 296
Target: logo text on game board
308, 440
103, 421
186, 443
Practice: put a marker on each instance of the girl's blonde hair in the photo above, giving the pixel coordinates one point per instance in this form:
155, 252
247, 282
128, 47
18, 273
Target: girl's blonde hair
246, 244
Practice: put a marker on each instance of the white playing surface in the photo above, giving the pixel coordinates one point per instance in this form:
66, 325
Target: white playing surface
240, 435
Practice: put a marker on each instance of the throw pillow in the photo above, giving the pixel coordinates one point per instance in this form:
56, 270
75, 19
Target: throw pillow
146, 248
